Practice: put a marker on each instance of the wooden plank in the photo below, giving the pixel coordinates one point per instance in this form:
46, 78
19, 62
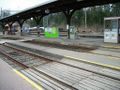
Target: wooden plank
68, 70
56, 78
37, 81
43, 80
81, 86
58, 75
111, 72
100, 84
105, 80
61, 74
78, 70
70, 75
57, 67
50, 80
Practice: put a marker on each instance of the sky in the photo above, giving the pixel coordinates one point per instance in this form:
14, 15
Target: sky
18, 5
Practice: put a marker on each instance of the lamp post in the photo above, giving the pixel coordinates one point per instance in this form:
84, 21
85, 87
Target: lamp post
85, 11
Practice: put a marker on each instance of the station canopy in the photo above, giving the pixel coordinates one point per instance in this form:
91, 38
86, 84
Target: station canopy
54, 6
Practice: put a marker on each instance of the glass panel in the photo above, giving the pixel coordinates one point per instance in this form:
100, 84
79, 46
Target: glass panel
119, 26
119, 23
114, 24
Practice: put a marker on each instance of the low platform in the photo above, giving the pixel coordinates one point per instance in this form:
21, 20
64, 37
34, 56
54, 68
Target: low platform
92, 57
9, 80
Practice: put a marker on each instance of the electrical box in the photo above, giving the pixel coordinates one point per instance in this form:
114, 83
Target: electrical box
73, 32
112, 29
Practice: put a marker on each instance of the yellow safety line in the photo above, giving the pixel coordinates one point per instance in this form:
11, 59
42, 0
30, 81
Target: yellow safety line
109, 56
115, 58
116, 47
95, 63
28, 80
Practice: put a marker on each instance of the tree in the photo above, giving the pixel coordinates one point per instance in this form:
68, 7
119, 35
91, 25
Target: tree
116, 9
78, 18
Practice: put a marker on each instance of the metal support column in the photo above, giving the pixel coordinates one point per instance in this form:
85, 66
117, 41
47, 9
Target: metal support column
38, 20
68, 14
2, 27
21, 24
10, 25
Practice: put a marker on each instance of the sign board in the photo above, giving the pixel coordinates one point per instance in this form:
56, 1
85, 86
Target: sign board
111, 30
51, 32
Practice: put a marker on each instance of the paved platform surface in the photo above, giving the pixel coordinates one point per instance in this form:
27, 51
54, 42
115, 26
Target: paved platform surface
9, 80
82, 40
109, 56
113, 61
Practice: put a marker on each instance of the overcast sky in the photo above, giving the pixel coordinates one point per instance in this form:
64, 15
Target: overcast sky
19, 4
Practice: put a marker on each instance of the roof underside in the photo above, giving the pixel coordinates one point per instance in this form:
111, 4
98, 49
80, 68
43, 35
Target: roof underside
56, 6
111, 18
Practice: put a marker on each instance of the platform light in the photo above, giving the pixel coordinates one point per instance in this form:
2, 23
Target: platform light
31, 18
47, 11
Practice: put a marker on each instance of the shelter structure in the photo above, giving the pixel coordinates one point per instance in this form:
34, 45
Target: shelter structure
68, 7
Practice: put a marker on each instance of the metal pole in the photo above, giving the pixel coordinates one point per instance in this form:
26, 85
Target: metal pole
68, 27
47, 20
1, 13
85, 18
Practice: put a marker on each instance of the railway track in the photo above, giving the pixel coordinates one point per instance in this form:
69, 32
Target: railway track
25, 63
53, 74
98, 69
